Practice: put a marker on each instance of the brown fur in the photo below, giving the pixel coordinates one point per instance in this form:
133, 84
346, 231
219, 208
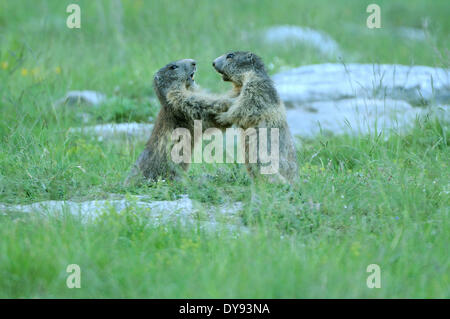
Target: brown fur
258, 106
169, 83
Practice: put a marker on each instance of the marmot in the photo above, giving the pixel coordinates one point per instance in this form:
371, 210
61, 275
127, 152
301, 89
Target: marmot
258, 105
155, 161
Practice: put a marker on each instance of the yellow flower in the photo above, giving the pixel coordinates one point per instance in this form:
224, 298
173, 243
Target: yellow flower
355, 248
57, 70
24, 72
5, 65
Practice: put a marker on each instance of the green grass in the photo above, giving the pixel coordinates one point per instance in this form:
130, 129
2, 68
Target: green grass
359, 201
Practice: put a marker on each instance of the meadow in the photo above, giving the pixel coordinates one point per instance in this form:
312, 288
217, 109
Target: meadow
361, 200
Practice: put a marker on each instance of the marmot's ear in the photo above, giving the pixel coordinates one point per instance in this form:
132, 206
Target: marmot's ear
156, 78
250, 57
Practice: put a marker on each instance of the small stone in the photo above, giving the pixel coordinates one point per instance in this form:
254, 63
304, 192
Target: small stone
289, 34
82, 97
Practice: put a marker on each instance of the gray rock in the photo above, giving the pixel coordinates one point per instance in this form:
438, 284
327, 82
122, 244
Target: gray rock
287, 34
330, 82
139, 131
182, 211
354, 116
414, 34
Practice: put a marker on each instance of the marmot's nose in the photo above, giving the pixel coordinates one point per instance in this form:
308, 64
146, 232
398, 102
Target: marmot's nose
214, 63
190, 62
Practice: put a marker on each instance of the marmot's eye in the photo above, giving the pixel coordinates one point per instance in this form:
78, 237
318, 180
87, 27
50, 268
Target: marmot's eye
173, 67
230, 55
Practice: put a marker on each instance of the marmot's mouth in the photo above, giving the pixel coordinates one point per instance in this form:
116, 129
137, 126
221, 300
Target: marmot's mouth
190, 80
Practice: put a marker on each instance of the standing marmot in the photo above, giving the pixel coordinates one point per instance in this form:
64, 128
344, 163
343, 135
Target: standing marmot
258, 106
155, 161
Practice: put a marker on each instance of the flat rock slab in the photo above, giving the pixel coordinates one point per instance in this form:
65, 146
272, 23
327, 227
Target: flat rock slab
182, 211
140, 131
354, 116
417, 85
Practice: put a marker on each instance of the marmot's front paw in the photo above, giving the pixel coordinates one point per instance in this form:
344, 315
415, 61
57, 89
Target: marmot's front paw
222, 118
223, 106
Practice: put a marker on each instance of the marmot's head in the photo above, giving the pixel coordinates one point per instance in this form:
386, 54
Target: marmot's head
233, 65
178, 73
